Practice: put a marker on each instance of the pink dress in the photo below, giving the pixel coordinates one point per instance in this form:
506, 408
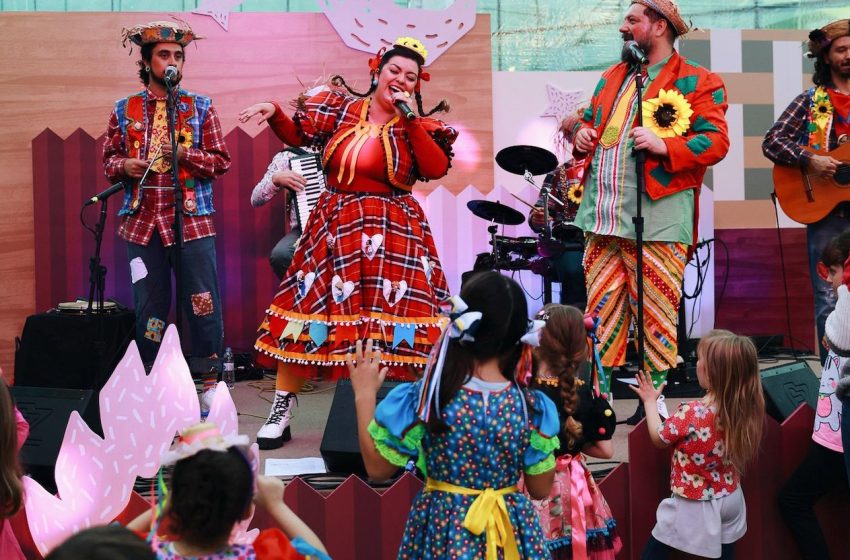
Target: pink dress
9, 548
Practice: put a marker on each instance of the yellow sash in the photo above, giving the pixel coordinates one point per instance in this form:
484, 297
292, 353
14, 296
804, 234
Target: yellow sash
613, 132
488, 512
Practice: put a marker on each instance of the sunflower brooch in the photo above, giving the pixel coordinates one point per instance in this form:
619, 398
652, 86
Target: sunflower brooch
668, 115
185, 138
575, 193
821, 106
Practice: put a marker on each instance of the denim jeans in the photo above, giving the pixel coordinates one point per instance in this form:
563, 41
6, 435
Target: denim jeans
818, 235
821, 471
656, 550
200, 298
845, 434
569, 272
283, 252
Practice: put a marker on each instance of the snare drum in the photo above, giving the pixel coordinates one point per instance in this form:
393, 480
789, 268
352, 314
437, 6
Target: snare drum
524, 247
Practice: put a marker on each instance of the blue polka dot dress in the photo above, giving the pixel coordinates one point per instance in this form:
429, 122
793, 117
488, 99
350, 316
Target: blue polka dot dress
489, 445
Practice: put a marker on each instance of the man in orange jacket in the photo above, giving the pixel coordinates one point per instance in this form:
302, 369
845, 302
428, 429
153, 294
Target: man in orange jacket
684, 132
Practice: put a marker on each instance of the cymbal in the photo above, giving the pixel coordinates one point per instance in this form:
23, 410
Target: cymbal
495, 212
519, 159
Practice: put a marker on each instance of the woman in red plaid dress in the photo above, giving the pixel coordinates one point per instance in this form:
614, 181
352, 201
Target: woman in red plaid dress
366, 265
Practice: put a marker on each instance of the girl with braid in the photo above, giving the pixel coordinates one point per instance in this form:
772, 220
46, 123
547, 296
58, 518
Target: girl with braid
575, 518
366, 265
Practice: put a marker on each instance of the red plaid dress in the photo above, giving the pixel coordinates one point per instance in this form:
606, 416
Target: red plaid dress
366, 265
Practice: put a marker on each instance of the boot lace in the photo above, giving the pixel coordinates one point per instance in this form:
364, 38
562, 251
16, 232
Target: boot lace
280, 407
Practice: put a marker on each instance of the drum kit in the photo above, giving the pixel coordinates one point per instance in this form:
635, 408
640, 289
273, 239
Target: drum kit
519, 253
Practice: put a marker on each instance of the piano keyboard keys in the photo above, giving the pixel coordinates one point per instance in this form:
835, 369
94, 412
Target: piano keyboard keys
310, 167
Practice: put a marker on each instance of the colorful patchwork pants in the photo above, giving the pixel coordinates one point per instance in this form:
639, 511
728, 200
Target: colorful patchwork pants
610, 269
152, 271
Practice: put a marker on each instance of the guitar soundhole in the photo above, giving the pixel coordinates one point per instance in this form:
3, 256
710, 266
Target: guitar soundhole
842, 174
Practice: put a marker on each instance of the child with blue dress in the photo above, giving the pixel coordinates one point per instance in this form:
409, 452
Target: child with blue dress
471, 429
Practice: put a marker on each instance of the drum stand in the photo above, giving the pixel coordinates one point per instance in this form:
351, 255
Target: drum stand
545, 195
492, 229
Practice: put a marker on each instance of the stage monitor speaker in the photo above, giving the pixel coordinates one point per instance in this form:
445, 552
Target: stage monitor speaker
73, 351
340, 448
787, 386
47, 410
88, 347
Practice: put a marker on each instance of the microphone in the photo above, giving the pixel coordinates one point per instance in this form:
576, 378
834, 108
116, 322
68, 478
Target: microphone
105, 194
170, 75
632, 53
405, 109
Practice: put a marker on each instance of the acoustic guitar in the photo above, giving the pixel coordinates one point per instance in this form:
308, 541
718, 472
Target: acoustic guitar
807, 198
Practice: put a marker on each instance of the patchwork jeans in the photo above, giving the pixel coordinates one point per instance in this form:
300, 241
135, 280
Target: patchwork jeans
151, 271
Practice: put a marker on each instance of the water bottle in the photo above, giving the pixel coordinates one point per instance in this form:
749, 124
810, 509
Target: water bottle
228, 370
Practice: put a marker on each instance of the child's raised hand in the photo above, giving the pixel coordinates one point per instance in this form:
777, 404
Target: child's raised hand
645, 390
269, 492
365, 370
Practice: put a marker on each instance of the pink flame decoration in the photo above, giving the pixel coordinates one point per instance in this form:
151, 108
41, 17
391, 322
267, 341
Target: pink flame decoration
140, 415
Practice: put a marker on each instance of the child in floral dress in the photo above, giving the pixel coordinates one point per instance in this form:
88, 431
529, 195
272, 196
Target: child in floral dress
714, 439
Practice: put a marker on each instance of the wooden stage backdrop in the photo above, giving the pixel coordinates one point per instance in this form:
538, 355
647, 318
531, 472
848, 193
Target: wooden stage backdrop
67, 69
64, 72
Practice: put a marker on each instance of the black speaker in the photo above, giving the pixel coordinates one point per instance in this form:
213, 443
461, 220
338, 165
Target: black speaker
787, 386
340, 448
88, 346
73, 351
47, 410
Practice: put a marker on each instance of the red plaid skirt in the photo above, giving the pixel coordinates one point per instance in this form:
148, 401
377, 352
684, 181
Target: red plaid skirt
365, 267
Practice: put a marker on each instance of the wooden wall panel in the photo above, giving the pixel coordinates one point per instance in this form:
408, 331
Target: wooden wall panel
754, 298
69, 77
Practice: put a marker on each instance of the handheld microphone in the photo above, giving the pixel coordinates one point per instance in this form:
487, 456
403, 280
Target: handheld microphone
405, 109
633, 53
170, 75
105, 194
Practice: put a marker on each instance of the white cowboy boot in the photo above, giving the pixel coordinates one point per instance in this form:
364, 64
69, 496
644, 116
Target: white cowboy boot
206, 401
276, 429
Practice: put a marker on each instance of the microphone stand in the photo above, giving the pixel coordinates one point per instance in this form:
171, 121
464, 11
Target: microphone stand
97, 272
547, 233
637, 220
177, 226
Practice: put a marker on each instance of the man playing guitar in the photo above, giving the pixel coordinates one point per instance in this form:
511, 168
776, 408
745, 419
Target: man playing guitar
818, 120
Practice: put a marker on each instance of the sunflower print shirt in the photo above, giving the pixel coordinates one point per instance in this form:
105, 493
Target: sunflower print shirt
700, 469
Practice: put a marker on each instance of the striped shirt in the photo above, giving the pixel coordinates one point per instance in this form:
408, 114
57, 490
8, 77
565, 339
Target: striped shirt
610, 194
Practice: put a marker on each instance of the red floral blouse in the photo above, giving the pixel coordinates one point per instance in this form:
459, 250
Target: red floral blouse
700, 469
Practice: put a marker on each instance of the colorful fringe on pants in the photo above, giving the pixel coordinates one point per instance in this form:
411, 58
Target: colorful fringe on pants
610, 270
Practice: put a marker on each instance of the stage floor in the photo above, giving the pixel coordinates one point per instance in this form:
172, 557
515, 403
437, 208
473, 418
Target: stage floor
253, 399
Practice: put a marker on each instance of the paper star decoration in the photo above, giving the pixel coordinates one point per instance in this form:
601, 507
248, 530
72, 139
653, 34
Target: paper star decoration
561, 102
219, 10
